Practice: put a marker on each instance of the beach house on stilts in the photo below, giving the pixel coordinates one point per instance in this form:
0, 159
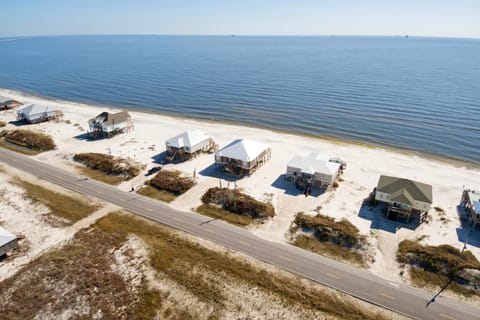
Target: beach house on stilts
242, 157
404, 198
471, 202
188, 145
109, 124
35, 113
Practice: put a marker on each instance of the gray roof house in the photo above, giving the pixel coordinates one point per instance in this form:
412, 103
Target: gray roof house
110, 123
7, 103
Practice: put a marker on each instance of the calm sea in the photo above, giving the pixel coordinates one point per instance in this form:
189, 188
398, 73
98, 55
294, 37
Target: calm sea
416, 93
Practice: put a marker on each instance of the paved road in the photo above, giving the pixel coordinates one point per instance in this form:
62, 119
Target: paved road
354, 281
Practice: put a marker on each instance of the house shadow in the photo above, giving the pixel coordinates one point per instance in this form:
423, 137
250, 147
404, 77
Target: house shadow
213, 172
465, 232
86, 137
290, 189
19, 123
377, 214
159, 158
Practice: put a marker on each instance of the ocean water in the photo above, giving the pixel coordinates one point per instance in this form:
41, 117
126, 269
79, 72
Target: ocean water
417, 93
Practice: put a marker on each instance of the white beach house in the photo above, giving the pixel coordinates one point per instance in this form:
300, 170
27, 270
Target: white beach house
37, 113
404, 197
110, 123
471, 201
242, 156
313, 170
8, 241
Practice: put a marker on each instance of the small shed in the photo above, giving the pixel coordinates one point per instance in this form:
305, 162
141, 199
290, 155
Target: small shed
471, 202
110, 123
7, 103
313, 171
188, 144
35, 113
404, 197
242, 156
8, 241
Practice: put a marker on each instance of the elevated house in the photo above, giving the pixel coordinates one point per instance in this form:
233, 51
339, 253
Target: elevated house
35, 113
312, 171
7, 103
8, 241
404, 197
242, 156
109, 124
188, 144
471, 202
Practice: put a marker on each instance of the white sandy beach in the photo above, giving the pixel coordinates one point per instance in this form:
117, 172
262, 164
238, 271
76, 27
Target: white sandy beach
365, 165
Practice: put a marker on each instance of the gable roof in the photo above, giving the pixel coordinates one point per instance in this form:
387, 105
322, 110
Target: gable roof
187, 139
314, 164
109, 119
242, 149
404, 190
6, 237
36, 109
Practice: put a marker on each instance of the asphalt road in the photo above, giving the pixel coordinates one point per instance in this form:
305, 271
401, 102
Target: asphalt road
353, 281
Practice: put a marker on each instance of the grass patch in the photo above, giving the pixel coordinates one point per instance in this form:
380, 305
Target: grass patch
434, 266
328, 249
109, 165
218, 213
217, 201
100, 176
29, 139
337, 239
17, 148
170, 253
60, 205
3, 124
156, 194
171, 181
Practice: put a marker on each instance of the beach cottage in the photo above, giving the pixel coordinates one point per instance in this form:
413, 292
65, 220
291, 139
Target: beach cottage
8, 241
471, 202
404, 197
35, 113
312, 171
110, 123
242, 156
188, 144
7, 103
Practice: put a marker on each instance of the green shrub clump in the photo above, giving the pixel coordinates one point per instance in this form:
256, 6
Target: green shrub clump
238, 202
30, 139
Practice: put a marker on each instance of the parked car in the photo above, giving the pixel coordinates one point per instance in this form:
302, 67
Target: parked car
153, 170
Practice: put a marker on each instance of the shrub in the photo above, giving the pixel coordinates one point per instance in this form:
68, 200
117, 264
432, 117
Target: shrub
108, 164
2, 124
326, 229
31, 140
171, 181
237, 202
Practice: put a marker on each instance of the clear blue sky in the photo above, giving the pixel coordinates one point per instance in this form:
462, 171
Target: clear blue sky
453, 18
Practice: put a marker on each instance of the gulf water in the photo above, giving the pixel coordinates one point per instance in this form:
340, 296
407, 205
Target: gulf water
417, 93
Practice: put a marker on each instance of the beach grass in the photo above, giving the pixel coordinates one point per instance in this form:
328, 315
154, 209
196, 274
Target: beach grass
100, 176
156, 194
219, 213
67, 208
17, 148
30, 139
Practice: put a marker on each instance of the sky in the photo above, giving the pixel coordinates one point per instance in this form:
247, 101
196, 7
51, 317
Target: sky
440, 18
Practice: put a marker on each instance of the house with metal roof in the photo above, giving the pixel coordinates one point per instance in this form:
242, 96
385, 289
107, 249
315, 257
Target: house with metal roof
35, 113
471, 202
242, 156
404, 197
312, 171
187, 144
7, 103
110, 123
8, 241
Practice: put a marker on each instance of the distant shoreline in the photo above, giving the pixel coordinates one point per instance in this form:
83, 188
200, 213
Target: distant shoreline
457, 162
